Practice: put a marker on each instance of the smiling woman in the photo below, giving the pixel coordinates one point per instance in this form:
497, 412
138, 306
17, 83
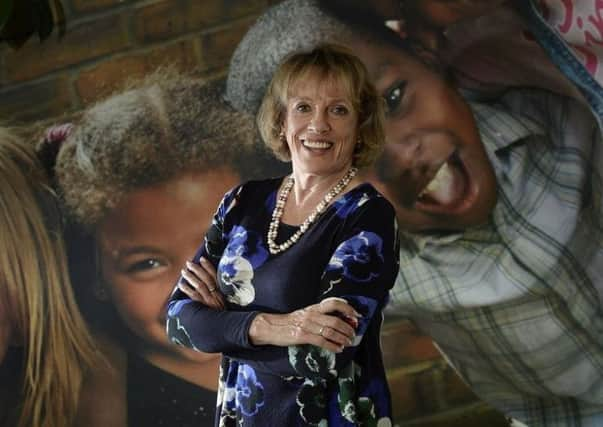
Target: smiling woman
292, 276
141, 173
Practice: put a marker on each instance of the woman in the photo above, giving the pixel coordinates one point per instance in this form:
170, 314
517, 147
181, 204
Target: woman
141, 172
304, 263
45, 347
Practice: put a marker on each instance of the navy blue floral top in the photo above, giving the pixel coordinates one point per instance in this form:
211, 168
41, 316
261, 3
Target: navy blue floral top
351, 252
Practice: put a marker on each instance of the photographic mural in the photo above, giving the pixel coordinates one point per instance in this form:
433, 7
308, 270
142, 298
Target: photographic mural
301, 212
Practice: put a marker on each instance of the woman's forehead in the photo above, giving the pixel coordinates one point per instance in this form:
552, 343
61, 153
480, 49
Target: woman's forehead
329, 84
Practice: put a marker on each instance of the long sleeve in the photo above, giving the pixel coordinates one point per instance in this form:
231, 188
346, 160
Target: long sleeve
192, 324
362, 270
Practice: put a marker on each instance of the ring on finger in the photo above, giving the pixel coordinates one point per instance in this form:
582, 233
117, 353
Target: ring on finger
212, 290
321, 330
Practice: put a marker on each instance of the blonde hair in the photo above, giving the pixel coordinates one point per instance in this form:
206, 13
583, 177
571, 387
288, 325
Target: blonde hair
326, 62
34, 280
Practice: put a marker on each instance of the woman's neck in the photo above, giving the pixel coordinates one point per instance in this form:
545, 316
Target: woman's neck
308, 191
311, 188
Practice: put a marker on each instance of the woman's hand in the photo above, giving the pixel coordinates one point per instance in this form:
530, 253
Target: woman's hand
199, 283
318, 324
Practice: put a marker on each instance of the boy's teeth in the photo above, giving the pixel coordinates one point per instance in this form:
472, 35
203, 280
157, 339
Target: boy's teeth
440, 181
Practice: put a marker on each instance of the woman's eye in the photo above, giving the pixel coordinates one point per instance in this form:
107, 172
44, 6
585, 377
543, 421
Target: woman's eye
340, 110
302, 108
144, 265
393, 97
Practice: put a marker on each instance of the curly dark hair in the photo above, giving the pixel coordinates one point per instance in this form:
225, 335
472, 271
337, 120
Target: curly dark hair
157, 129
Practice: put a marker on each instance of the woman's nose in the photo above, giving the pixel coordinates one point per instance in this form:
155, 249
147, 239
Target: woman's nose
319, 123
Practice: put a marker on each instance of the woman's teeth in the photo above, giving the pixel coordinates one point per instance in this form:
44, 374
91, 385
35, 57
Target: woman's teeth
317, 144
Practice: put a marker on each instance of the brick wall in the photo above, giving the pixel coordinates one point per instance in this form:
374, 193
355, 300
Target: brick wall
110, 41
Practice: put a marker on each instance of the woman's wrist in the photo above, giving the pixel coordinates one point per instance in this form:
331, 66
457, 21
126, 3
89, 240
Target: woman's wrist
259, 330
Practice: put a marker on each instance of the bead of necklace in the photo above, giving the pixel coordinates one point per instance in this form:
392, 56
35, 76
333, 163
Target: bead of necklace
279, 208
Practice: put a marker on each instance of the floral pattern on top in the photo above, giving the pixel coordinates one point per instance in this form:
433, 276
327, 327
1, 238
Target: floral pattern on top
243, 253
359, 258
349, 202
350, 252
178, 334
249, 391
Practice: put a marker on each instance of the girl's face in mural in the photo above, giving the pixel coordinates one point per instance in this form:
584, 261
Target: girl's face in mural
434, 168
145, 243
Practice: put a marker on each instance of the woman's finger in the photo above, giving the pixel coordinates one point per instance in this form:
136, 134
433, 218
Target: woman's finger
190, 292
338, 330
193, 294
333, 335
209, 267
303, 336
331, 304
204, 282
199, 285
218, 299
206, 271
210, 297
203, 273
324, 343
338, 326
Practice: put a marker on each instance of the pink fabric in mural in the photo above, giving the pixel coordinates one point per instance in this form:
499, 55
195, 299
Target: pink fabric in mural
580, 24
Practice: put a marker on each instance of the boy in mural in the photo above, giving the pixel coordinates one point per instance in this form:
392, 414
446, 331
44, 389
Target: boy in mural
500, 206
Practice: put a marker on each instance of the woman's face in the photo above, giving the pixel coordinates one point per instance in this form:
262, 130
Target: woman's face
320, 126
145, 243
434, 168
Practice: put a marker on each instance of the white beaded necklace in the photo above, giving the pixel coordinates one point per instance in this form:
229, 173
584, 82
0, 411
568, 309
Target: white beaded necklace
277, 213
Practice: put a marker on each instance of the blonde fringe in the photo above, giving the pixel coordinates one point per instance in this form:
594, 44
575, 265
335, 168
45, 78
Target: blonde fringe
35, 278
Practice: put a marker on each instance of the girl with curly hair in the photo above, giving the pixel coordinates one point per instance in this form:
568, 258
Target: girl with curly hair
141, 174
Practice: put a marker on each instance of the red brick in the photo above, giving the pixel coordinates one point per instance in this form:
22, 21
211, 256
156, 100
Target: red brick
171, 18
455, 391
101, 80
404, 395
415, 391
80, 6
217, 47
181, 55
28, 102
403, 344
82, 42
